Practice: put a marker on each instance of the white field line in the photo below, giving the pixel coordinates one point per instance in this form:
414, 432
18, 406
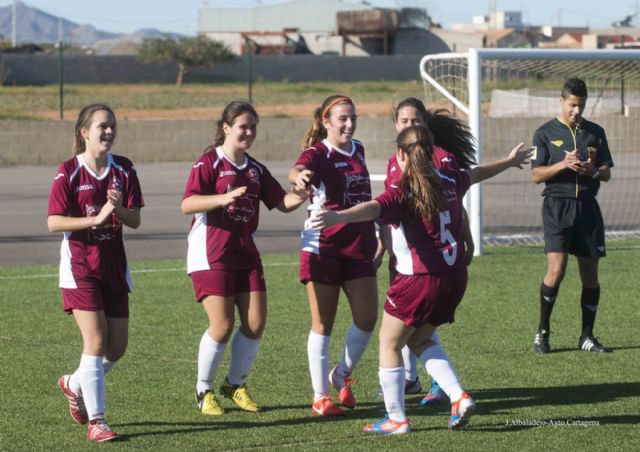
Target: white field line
144, 270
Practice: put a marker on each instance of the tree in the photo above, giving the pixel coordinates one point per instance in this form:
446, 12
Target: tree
187, 53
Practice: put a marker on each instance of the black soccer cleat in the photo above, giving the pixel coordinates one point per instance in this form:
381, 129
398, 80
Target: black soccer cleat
591, 344
541, 342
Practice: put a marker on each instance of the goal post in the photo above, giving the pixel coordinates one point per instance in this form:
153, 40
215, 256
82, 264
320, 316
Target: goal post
505, 95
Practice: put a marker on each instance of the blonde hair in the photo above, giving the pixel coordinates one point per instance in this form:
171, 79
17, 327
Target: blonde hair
317, 131
85, 117
427, 197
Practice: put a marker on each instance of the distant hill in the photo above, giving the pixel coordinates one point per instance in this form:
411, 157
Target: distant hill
36, 26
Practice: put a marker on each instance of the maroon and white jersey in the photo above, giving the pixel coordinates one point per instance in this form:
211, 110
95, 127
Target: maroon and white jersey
97, 253
441, 159
340, 180
222, 238
427, 247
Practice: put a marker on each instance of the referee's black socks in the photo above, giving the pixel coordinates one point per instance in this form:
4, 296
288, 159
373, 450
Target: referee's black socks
548, 297
589, 304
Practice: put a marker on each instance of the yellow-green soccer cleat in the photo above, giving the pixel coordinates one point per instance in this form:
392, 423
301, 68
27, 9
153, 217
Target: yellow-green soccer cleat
208, 404
239, 395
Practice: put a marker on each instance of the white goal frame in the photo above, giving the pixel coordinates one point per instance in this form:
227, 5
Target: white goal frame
472, 106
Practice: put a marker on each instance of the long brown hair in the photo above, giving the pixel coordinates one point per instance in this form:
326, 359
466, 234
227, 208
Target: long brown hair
85, 117
449, 133
317, 131
229, 115
426, 196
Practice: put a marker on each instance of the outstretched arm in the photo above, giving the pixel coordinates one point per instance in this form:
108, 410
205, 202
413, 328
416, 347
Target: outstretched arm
204, 203
300, 176
362, 212
518, 156
293, 200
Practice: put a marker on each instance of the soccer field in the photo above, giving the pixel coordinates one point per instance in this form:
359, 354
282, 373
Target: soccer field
566, 400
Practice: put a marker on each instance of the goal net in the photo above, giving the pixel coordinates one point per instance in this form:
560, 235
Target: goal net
505, 95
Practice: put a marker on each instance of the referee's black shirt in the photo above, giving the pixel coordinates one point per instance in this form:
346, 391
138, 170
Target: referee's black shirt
553, 140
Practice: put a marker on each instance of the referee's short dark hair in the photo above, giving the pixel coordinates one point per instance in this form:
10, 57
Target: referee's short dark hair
574, 86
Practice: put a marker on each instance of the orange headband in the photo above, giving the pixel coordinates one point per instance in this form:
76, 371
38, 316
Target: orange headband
333, 102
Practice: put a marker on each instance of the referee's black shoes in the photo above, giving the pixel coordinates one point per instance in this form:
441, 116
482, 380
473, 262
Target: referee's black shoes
591, 344
541, 342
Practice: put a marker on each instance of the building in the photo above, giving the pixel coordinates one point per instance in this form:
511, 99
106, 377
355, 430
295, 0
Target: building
304, 21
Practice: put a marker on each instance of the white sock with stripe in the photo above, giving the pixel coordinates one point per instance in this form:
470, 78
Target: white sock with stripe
91, 376
437, 364
354, 347
392, 383
210, 354
410, 364
318, 354
243, 355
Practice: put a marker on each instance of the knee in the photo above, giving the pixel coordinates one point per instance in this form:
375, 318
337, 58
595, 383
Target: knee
253, 330
221, 332
114, 353
366, 322
95, 345
322, 328
554, 277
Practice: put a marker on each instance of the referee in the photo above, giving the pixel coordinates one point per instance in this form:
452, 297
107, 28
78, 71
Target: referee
572, 157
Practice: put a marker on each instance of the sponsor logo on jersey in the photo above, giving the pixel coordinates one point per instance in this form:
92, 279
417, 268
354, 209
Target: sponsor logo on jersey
227, 173
446, 160
601, 248
341, 164
58, 176
357, 189
253, 176
80, 188
557, 143
198, 164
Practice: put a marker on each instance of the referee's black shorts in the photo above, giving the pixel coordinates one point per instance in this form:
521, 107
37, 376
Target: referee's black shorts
573, 226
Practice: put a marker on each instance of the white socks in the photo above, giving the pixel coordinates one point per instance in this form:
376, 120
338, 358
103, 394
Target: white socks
438, 366
90, 373
243, 354
410, 364
392, 383
209, 356
354, 346
318, 353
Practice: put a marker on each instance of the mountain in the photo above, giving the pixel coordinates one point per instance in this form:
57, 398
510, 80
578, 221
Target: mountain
36, 26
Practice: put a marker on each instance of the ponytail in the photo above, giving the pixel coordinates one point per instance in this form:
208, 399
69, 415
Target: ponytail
426, 195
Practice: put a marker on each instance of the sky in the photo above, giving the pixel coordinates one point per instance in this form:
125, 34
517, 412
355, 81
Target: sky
181, 16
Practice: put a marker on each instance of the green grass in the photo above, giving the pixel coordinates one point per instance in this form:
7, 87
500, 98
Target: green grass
149, 393
24, 102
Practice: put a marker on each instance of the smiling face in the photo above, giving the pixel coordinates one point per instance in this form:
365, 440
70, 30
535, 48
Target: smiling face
101, 133
341, 124
407, 117
240, 134
572, 108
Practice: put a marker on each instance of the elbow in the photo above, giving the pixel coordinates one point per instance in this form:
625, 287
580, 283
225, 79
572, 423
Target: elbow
51, 225
184, 208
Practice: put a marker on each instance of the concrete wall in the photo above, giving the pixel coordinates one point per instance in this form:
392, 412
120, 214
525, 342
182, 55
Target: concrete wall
21, 70
49, 142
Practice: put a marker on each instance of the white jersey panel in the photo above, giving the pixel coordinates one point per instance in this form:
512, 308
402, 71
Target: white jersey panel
404, 264
197, 250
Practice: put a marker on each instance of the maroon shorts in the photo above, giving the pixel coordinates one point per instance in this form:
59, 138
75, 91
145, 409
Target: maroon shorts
99, 297
227, 283
333, 270
431, 298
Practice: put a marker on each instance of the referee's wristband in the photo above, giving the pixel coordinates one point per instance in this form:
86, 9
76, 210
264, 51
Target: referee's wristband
595, 175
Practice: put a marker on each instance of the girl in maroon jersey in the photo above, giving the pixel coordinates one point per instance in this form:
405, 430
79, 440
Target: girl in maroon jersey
424, 211
453, 149
333, 166
93, 195
223, 193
